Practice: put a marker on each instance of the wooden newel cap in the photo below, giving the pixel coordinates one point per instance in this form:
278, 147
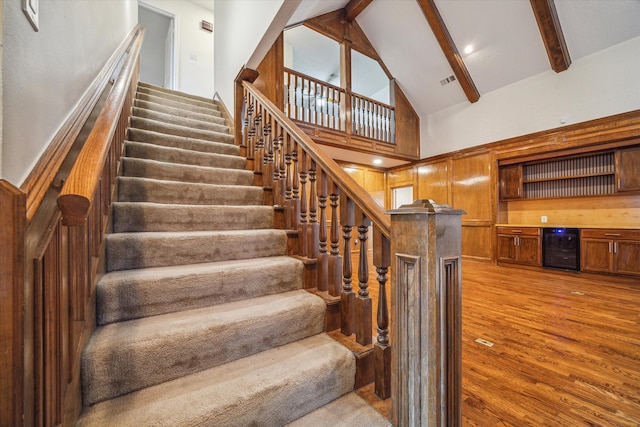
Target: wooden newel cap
426, 206
74, 208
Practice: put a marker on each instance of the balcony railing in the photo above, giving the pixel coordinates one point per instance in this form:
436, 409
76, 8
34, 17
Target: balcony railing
313, 101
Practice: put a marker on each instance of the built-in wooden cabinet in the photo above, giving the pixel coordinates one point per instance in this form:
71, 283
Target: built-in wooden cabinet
628, 169
510, 182
521, 245
584, 175
610, 251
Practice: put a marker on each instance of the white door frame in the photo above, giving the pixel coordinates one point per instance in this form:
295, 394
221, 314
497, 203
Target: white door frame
171, 62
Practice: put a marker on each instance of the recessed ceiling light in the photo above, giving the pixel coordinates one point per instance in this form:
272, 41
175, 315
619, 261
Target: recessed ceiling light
468, 49
377, 161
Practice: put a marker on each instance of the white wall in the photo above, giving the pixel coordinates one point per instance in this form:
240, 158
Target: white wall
46, 73
194, 71
595, 86
240, 26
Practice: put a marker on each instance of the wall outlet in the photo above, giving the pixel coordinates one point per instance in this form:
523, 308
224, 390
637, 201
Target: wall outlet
543, 218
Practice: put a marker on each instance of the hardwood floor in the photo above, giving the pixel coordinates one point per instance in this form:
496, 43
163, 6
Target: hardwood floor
566, 348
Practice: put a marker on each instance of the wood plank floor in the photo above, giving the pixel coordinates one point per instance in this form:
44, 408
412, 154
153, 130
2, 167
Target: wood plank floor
566, 348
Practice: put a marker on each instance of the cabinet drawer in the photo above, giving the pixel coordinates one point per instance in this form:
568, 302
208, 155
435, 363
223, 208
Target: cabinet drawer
529, 231
594, 233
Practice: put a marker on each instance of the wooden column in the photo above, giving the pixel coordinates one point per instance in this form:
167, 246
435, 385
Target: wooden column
426, 372
13, 214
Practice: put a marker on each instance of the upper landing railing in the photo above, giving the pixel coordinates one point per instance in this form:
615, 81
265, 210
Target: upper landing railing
319, 103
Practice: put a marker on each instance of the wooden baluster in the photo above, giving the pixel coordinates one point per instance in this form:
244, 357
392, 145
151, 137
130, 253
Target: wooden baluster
335, 260
382, 349
313, 226
288, 178
347, 297
363, 306
295, 188
257, 147
281, 169
303, 203
248, 122
323, 257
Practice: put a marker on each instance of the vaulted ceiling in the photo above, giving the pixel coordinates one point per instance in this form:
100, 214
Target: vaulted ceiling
423, 42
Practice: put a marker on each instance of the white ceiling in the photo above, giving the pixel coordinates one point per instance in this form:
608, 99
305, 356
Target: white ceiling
507, 43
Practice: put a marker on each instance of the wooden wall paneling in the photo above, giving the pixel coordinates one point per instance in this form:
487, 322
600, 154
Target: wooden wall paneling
628, 169
433, 181
13, 213
407, 123
471, 186
475, 240
270, 79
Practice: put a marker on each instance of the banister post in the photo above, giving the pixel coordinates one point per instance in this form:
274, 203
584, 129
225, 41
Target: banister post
426, 372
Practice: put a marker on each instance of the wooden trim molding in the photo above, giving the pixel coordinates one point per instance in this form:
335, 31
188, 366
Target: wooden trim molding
449, 49
43, 174
12, 226
551, 32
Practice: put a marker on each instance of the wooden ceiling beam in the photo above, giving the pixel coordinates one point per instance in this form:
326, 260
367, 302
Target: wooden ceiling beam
449, 49
552, 36
354, 8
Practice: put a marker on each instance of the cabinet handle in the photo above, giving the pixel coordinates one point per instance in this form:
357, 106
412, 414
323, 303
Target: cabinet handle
516, 231
610, 247
612, 234
615, 247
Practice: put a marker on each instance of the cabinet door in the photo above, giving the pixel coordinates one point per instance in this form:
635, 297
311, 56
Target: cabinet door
511, 182
529, 250
628, 172
506, 248
595, 255
626, 257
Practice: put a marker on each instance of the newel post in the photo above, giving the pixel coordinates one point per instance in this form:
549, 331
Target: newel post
426, 370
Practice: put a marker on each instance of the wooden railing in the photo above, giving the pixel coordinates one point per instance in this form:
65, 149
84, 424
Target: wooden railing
313, 101
372, 119
310, 191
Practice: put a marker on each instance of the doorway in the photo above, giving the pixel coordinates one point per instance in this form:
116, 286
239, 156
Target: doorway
157, 52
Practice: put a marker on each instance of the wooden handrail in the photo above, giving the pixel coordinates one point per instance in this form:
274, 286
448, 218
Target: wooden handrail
76, 196
373, 101
312, 79
348, 185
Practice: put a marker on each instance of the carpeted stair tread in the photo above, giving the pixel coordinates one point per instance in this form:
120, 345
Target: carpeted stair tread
184, 142
269, 388
177, 120
143, 216
177, 104
178, 112
127, 251
143, 168
127, 356
131, 294
143, 150
174, 92
134, 189
178, 96
348, 410
179, 130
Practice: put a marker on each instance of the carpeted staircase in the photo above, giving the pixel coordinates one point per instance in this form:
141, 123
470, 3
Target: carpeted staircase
202, 318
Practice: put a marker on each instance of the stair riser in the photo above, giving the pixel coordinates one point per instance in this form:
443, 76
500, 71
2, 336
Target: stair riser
182, 131
184, 348
138, 217
198, 102
127, 251
165, 109
267, 389
187, 157
185, 143
177, 120
178, 105
123, 296
141, 168
166, 192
